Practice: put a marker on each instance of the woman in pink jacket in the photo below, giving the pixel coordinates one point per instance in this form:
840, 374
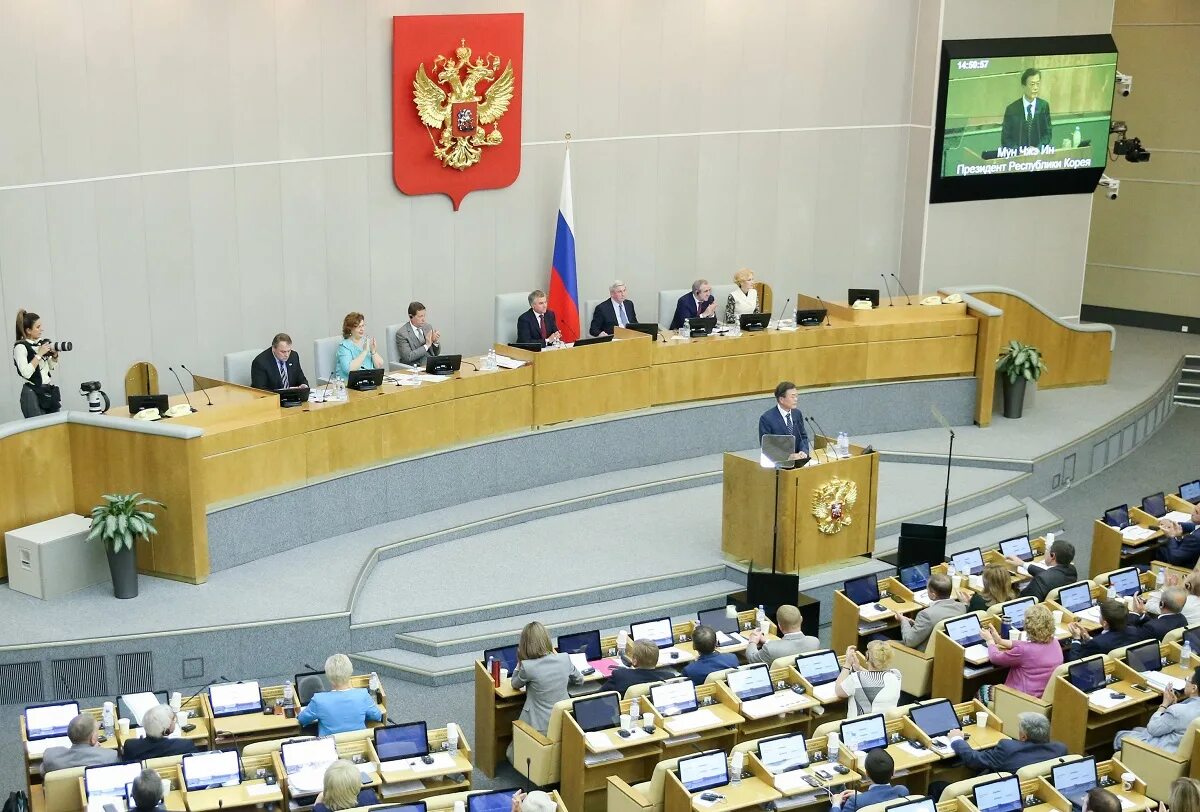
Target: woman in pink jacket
1030, 661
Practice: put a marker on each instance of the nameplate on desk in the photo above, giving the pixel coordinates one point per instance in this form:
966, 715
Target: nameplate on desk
691, 721
441, 761
261, 790
591, 759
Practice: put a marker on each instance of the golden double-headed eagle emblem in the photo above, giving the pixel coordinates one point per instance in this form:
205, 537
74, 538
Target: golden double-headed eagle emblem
831, 505
458, 109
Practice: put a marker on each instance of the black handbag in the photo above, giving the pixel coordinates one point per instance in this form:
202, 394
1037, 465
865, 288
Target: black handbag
49, 397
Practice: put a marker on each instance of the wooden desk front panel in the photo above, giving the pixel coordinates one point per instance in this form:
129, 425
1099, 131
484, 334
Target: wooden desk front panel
592, 396
810, 547
37, 480
554, 366
256, 468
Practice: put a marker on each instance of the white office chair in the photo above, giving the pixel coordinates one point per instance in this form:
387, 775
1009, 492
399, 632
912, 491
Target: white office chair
324, 354
585, 321
393, 358
237, 366
508, 307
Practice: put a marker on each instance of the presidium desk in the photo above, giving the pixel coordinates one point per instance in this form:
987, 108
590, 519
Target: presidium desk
245, 446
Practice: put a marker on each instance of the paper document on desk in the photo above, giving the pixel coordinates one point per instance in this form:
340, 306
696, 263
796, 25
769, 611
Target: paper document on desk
307, 781
734, 639
1160, 681
976, 654
826, 692
922, 597
1092, 614
37, 748
260, 790
692, 721
1137, 533
771, 705
794, 779
869, 612
1103, 699
504, 362
607, 665
425, 377
1178, 516
919, 752
579, 660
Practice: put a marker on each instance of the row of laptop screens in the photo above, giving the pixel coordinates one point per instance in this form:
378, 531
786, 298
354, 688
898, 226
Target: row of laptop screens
660, 631
1155, 504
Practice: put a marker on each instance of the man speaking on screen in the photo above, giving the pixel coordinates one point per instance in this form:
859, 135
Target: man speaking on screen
1027, 120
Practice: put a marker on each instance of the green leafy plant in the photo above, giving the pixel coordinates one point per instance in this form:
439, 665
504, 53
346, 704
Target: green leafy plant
1019, 360
121, 520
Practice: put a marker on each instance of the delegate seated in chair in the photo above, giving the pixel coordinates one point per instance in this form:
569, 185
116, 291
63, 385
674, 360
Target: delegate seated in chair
1009, 755
1030, 662
792, 641
342, 789
880, 769
1115, 633
1056, 570
704, 640
917, 631
1169, 618
342, 708
1166, 726
85, 749
158, 723
643, 654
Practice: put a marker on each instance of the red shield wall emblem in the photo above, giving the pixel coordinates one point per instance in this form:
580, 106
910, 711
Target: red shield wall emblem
456, 102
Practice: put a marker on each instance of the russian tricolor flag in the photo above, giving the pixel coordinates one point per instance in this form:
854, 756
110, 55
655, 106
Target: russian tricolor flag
564, 288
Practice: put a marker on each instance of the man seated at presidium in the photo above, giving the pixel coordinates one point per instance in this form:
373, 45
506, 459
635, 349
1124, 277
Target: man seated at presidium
85, 749
537, 324
615, 311
792, 640
785, 418
696, 304
278, 366
1027, 120
417, 340
356, 351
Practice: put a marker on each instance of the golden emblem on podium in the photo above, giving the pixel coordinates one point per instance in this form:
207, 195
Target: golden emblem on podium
831, 505
458, 110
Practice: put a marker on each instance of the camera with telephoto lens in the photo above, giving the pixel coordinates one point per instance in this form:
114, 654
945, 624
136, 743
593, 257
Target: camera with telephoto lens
58, 346
89, 386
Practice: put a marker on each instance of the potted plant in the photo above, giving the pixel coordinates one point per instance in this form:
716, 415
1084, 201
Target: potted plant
116, 524
1018, 363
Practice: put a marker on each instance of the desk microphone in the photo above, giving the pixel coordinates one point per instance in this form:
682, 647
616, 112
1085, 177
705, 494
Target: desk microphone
1028, 535
813, 421
889, 291
828, 322
465, 361
787, 302
221, 678
188, 371
902, 290
181, 389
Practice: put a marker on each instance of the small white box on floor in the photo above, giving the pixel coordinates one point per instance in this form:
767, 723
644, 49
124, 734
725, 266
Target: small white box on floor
54, 557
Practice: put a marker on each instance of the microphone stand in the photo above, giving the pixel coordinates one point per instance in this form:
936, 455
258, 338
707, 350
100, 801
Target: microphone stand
888, 289
902, 290
949, 462
786, 302
181, 389
202, 390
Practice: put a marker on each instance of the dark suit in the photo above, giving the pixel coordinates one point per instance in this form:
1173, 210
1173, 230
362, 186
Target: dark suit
1017, 132
1155, 627
772, 422
686, 308
528, 330
1009, 755
264, 371
1103, 643
621, 679
142, 749
1183, 551
875, 794
1045, 580
604, 318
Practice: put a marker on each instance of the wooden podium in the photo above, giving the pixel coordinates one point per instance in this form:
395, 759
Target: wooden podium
750, 508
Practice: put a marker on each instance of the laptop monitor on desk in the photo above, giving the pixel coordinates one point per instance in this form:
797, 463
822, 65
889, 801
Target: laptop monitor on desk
414, 806
1017, 546
1075, 779
585, 643
781, 754
864, 733
1117, 517
211, 769
589, 340
600, 712
443, 364
871, 294
818, 667
968, 562
935, 718
134, 706
506, 655
643, 327
812, 317
750, 682
753, 322
1013, 612
364, 379
234, 698
704, 772
138, 402
305, 762
309, 684
1125, 582
50, 720
1076, 597
1155, 504
1145, 656
916, 577
701, 327
528, 346
659, 631
109, 781
496, 800
675, 697
394, 742
862, 591
965, 630
1002, 795
1087, 675
1190, 491
718, 620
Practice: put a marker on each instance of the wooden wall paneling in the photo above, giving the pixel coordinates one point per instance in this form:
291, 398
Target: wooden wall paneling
254, 468
37, 480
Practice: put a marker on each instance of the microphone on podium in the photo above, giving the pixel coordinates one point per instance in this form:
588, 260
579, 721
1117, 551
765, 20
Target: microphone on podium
902, 290
181, 389
888, 289
188, 371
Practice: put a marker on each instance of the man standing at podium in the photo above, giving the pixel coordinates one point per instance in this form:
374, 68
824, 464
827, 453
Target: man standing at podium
785, 418
1027, 120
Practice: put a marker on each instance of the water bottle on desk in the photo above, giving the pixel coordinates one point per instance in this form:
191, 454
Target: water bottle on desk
491, 359
843, 445
686, 329
635, 710
1160, 578
1185, 655
736, 764
1076, 137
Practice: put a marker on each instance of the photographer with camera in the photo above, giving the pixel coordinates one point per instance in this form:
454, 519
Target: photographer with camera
35, 359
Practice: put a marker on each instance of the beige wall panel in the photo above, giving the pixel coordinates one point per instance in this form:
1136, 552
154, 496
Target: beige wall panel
170, 278
1155, 11
21, 135
343, 87
254, 109
1151, 225
299, 64
1172, 293
111, 86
